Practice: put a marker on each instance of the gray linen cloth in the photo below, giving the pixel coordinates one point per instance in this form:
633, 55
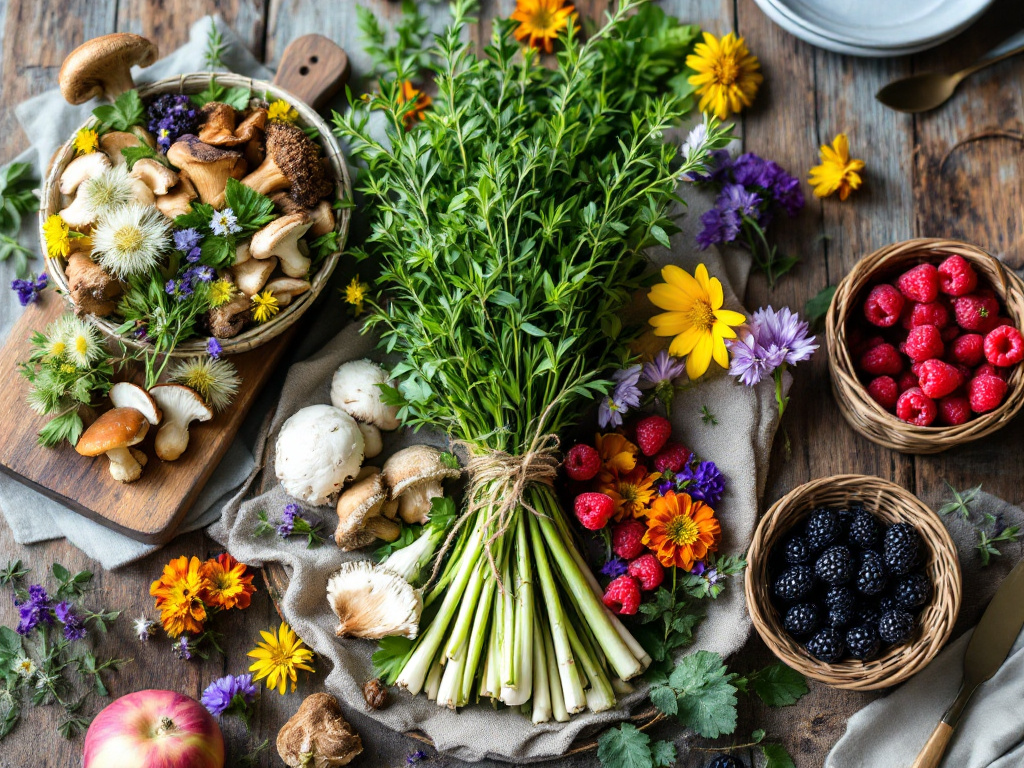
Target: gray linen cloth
890, 732
48, 120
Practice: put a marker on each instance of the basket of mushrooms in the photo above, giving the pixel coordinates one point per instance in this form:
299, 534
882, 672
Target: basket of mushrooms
204, 206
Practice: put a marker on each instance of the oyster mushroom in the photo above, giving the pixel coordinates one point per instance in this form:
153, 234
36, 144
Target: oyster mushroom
281, 238
318, 450
292, 162
241, 252
360, 518
355, 389
285, 289
113, 142
178, 199
229, 319
414, 475
93, 290
101, 67
141, 193
181, 406
157, 176
114, 433
251, 275
318, 736
220, 128
207, 167
373, 602
124, 394
81, 169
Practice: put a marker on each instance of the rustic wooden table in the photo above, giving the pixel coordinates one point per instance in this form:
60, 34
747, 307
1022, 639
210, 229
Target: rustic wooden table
919, 183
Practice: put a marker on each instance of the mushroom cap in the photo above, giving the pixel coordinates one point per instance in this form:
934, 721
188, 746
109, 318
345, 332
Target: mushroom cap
298, 157
117, 428
319, 729
357, 503
227, 320
355, 390
280, 237
112, 142
87, 69
323, 218
80, 169
252, 274
287, 288
180, 403
415, 464
373, 602
207, 166
318, 449
222, 128
373, 443
157, 176
124, 394
177, 200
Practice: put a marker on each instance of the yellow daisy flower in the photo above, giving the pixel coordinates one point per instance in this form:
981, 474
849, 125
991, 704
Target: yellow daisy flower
727, 76
264, 306
221, 292
57, 236
283, 111
837, 172
541, 21
277, 658
355, 295
695, 317
86, 141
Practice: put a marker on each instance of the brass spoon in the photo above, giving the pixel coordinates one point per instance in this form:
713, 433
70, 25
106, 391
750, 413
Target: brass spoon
920, 93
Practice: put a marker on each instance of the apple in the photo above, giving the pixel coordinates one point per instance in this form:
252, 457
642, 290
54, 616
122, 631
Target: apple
154, 729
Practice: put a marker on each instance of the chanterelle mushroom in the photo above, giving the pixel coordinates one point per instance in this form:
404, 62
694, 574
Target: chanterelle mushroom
281, 238
318, 449
181, 406
102, 66
414, 475
220, 129
207, 167
124, 394
373, 602
114, 433
157, 176
81, 169
293, 160
318, 736
355, 389
177, 200
360, 519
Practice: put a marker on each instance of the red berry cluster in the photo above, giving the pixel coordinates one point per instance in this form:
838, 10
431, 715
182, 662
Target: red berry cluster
944, 349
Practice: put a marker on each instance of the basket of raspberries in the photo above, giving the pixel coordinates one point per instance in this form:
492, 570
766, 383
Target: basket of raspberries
854, 580
925, 345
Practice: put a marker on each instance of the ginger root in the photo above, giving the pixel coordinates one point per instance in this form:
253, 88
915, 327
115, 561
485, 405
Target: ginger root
92, 290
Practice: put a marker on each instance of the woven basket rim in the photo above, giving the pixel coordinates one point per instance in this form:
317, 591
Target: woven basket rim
892, 502
858, 408
259, 334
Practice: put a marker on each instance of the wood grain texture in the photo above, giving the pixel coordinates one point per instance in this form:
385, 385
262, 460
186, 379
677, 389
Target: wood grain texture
313, 68
935, 748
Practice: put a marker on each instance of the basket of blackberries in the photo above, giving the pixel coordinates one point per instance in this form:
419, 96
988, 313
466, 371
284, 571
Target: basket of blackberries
853, 581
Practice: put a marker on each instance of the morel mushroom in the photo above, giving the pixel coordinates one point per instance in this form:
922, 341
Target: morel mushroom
124, 394
281, 238
318, 736
355, 389
81, 169
102, 67
114, 433
318, 450
360, 521
207, 167
93, 290
414, 475
373, 603
181, 406
292, 162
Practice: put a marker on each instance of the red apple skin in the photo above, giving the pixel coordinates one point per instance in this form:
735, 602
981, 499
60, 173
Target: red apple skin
154, 729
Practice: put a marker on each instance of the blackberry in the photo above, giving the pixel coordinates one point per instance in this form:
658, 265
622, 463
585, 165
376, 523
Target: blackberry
901, 546
896, 627
845, 521
872, 575
724, 761
822, 528
802, 619
841, 605
865, 530
863, 642
795, 582
835, 566
913, 591
867, 615
887, 604
826, 646
797, 551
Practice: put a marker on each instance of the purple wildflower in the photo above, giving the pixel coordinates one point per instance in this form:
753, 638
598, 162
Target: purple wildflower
213, 348
415, 757
194, 255
220, 694
711, 577
186, 239
784, 331
170, 287
28, 290
665, 486
749, 361
182, 648
704, 482
698, 568
626, 395
74, 627
736, 198
664, 369
748, 170
287, 524
782, 187
720, 226
615, 567
171, 116
33, 611
203, 273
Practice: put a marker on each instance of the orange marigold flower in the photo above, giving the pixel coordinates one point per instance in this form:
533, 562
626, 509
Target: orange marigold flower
618, 455
420, 100
681, 531
230, 583
178, 594
632, 492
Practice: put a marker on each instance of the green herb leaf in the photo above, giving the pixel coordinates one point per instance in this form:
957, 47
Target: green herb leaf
390, 657
960, 502
132, 155
663, 754
817, 306
215, 47
706, 696
252, 209
408, 535
237, 97
126, 111
776, 756
625, 747
987, 548
777, 685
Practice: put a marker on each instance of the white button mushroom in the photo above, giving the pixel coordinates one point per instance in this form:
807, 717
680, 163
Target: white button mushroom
318, 449
414, 475
355, 389
373, 443
181, 406
373, 603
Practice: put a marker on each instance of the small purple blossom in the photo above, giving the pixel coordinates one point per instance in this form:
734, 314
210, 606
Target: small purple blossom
615, 567
224, 223
186, 239
287, 524
749, 361
720, 226
28, 290
698, 568
194, 255
220, 695
784, 331
415, 757
744, 202
182, 648
703, 481
664, 486
213, 348
34, 611
170, 117
664, 369
170, 287
626, 395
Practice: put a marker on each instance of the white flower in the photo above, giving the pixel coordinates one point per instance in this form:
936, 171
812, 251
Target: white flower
82, 342
224, 222
107, 191
144, 628
695, 141
216, 381
25, 667
131, 239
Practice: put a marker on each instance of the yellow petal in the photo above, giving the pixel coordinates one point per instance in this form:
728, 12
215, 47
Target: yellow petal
720, 353
685, 342
700, 358
715, 294
681, 279
729, 317
665, 296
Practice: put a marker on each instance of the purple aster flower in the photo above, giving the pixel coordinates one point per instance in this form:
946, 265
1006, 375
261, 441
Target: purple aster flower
203, 273
720, 226
287, 524
28, 290
33, 611
782, 187
170, 287
626, 395
220, 694
711, 577
665, 486
213, 348
74, 628
784, 331
193, 255
182, 648
749, 361
615, 567
186, 239
704, 482
224, 223
664, 369
748, 170
736, 198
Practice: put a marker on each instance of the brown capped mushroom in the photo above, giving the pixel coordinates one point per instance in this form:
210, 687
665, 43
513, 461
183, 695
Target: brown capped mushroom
124, 394
318, 736
220, 128
114, 433
283, 204
157, 176
93, 291
414, 475
285, 289
229, 319
207, 167
373, 602
360, 519
281, 238
252, 274
293, 163
101, 67
181, 406
112, 142
178, 199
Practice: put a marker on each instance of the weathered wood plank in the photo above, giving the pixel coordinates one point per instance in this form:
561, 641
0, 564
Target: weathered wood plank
168, 21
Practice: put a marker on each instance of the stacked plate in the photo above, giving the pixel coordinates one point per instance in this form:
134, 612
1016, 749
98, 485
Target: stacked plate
874, 28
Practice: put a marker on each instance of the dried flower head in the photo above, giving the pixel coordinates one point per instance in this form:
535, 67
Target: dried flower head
107, 191
83, 343
216, 380
131, 240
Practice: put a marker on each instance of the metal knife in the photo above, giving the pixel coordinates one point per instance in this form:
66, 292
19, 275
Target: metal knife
990, 645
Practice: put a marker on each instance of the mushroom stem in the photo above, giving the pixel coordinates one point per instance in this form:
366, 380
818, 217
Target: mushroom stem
171, 440
123, 466
382, 528
414, 503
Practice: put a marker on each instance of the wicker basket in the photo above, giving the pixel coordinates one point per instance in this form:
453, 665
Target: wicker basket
858, 407
892, 504
51, 202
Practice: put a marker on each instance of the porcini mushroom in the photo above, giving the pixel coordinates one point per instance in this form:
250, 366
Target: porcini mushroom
252, 274
318, 736
112, 142
285, 289
373, 443
81, 169
178, 200
373, 602
292, 162
281, 238
114, 433
157, 176
124, 394
229, 319
360, 521
103, 66
220, 128
181, 406
207, 167
93, 290
355, 389
414, 475
318, 450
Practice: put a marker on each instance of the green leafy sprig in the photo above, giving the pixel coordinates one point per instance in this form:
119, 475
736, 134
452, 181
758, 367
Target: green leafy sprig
990, 529
126, 112
17, 198
215, 48
312, 530
237, 96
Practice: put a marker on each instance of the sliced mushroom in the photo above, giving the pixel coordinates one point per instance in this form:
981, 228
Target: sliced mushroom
251, 275
318, 450
285, 289
318, 736
355, 389
81, 169
415, 475
114, 433
281, 238
373, 603
181, 406
157, 176
373, 443
207, 167
93, 290
101, 67
112, 142
229, 319
124, 394
360, 519
293, 163
178, 200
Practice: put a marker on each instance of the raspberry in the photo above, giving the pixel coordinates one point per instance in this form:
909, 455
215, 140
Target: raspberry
652, 432
938, 379
954, 411
883, 359
933, 313
623, 595
977, 311
582, 462
883, 306
923, 343
884, 391
863, 345
907, 381
968, 349
987, 369
672, 458
594, 510
957, 276
1004, 346
986, 393
627, 539
648, 571
914, 407
920, 283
